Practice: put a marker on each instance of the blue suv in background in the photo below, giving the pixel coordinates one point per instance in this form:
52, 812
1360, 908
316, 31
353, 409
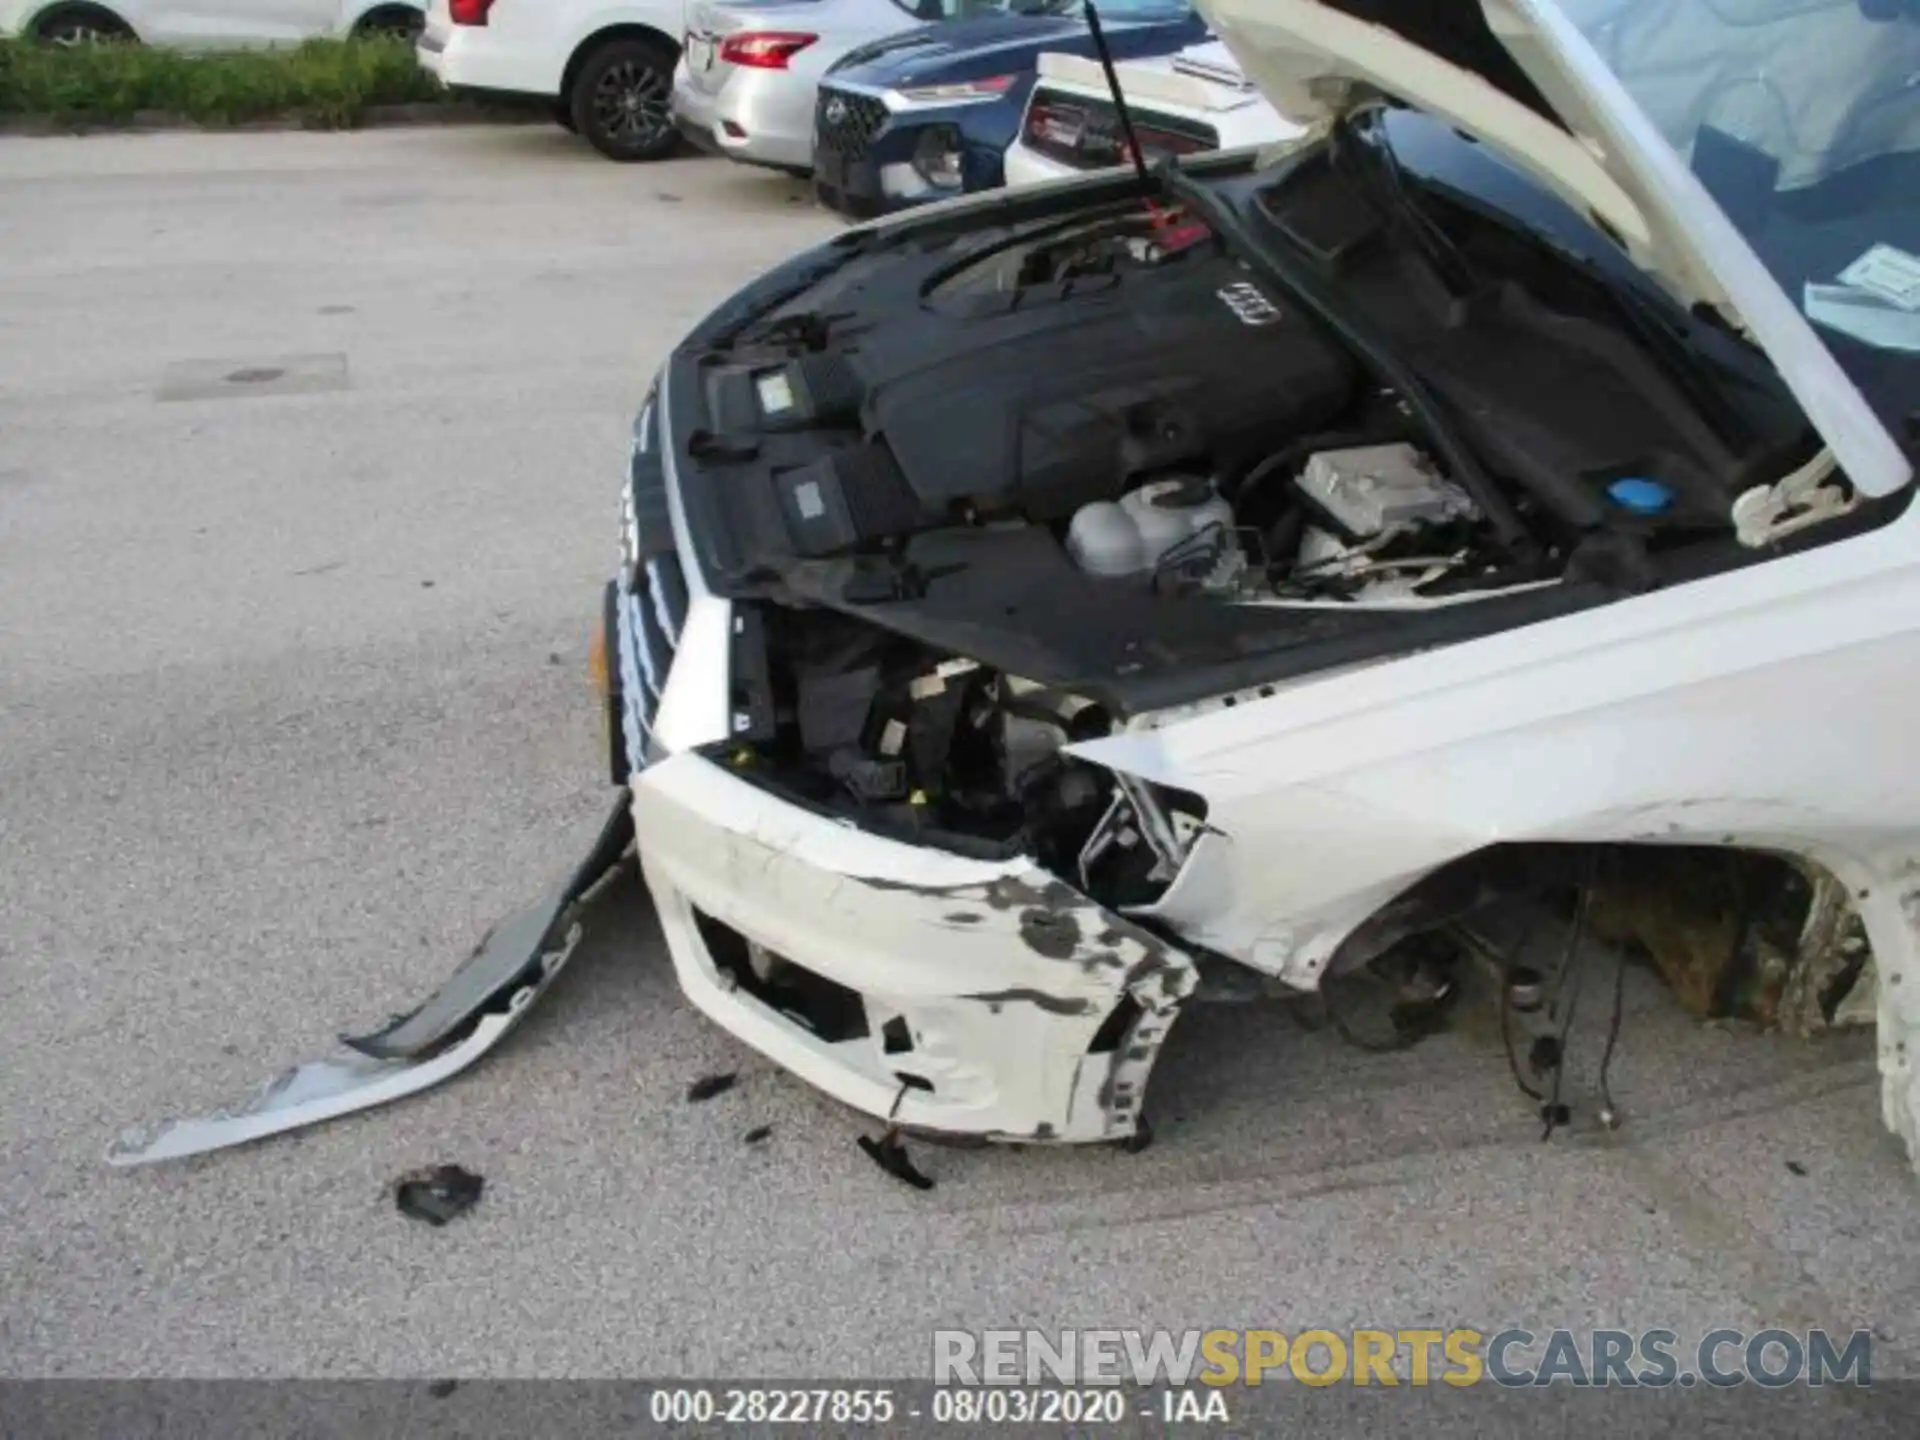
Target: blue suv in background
929, 113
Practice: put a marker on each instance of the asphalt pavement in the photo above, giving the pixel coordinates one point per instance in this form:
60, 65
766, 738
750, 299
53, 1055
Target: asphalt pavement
309, 456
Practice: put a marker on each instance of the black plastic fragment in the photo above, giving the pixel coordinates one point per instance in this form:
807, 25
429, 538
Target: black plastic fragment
437, 1195
1796, 1167
891, 1156
757, 1134
708, 1086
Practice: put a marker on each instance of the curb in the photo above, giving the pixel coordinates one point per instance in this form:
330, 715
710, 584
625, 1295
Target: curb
142, 122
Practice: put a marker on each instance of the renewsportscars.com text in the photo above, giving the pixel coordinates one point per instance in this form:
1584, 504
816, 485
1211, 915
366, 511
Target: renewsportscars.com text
1459, 1357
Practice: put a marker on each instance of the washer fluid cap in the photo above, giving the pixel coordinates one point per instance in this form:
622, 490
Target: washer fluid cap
1640, 496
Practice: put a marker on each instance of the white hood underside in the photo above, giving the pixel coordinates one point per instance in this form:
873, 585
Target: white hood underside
1314, 62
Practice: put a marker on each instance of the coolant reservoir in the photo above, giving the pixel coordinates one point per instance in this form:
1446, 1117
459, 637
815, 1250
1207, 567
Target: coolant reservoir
1131, 535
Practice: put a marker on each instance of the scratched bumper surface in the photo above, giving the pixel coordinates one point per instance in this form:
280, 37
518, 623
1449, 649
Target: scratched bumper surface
1003, 975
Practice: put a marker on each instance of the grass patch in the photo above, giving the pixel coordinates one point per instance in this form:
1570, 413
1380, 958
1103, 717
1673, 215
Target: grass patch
324, 84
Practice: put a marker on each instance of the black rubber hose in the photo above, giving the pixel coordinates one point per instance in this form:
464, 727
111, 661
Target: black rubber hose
1283, 462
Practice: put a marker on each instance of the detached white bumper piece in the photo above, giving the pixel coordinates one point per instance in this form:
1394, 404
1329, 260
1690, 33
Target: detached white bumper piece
475, 1010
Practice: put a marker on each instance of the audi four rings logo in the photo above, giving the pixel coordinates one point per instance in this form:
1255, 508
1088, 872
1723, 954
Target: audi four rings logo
836, 111
1249, 304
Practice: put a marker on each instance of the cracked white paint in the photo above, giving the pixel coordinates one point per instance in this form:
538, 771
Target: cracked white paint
1003, 974
1764, 708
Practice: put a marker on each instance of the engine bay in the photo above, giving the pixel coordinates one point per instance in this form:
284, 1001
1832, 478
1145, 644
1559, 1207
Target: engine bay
1009, 484
1175, 423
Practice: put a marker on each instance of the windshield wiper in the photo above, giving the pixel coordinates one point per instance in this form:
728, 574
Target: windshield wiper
1233, 231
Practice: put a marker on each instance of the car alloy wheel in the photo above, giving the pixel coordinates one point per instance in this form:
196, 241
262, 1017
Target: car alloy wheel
632, 103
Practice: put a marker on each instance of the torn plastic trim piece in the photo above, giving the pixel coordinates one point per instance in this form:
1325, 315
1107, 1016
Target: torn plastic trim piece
891, 1156
1170, 852
506, 959
323, 1089
483, 1001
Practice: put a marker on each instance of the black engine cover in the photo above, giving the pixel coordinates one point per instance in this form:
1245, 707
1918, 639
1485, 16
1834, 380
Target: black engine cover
1020, 403
1036, 401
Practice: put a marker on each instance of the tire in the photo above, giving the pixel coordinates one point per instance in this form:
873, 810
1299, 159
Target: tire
622, 97
397, 22
70, 25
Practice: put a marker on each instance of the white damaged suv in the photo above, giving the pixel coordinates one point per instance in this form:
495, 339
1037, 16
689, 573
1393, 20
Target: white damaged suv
1039, 606
1044, 609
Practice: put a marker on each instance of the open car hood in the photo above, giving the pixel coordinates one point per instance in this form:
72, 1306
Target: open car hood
1520, 78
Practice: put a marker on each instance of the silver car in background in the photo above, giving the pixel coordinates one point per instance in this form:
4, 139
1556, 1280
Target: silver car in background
747, 75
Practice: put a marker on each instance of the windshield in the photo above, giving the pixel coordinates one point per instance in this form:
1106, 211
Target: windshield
1802, 119
934, 10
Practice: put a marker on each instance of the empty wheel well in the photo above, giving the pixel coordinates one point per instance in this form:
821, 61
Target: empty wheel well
1768, 934
45, 22
613, 32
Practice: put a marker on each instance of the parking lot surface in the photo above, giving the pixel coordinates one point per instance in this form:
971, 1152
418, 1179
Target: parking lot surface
309, 454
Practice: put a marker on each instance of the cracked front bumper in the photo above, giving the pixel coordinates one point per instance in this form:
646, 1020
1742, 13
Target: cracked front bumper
944, 994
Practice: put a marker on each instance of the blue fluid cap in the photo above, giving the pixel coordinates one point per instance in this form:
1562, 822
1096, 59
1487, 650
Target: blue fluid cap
1639, 496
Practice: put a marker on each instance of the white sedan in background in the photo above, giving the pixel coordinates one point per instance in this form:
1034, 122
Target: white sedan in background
604, 66
747, 83
204, 24
1195, 100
